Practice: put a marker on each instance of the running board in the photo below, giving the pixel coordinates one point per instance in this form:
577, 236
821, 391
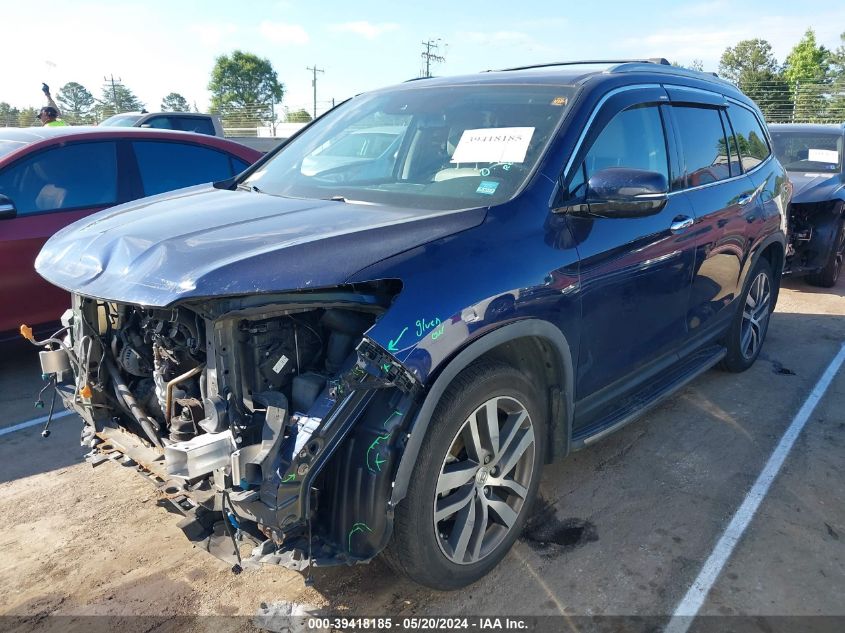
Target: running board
652, 394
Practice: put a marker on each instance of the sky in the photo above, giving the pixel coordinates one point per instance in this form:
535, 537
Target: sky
157, 47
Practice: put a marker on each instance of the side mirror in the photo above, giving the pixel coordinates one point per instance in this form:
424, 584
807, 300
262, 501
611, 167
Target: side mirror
7, 208
619, 192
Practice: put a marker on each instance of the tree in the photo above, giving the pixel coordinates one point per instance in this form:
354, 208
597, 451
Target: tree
752, 66
805, 71
8, 115
299, 116
244, 88
747, 61
116, 100
28, 117
174, 102
76, 102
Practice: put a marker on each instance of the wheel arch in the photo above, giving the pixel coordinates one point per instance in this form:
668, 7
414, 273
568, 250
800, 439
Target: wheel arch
773, 250
531, 345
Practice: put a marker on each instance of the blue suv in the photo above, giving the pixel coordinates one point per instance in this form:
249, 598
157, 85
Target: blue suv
329, 359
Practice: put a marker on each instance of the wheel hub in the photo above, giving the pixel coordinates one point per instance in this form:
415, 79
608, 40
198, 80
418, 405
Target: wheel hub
481, 476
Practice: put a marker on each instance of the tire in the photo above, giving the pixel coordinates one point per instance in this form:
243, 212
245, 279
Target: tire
437, 540
747, 333
829, 273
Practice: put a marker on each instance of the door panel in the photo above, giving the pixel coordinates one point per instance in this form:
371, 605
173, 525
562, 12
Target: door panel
635, 273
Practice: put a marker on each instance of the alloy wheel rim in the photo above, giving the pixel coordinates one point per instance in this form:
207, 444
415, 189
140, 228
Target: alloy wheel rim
755, 315
484, 480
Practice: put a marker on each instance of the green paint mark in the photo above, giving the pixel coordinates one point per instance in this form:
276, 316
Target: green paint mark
424, 325
374, 460
437, 333
357, 528
391, 345
386, 367
289, 477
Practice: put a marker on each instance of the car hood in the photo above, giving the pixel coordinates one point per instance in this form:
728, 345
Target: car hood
815, 187
205, 242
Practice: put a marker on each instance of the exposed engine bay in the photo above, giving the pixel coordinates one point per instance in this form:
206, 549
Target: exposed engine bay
813, 228
270, 422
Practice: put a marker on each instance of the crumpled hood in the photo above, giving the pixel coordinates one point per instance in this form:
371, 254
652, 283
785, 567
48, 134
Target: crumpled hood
203, 242
815, 187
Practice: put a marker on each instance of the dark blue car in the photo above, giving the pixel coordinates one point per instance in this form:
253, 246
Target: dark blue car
370, 356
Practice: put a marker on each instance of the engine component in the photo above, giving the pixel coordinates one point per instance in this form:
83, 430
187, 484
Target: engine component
200, 455
186, 425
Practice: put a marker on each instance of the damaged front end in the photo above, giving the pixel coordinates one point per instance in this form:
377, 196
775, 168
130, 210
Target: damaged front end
270, 422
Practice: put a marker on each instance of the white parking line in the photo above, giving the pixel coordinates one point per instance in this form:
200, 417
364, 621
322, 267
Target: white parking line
691, 603
36, 421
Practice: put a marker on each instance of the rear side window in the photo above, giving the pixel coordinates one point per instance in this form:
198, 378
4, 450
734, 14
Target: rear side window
166, 166
634, 139
76, 176
184, 123
704, 146
753, 147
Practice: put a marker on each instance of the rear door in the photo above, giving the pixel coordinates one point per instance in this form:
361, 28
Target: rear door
50, 188
635, 272
725, 203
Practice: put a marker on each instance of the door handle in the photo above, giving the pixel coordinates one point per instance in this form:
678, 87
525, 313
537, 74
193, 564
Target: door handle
744, 199
680, 223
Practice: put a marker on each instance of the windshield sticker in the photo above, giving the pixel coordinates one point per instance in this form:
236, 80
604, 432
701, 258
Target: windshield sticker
823, 155
559, 101
487, 187
493, 145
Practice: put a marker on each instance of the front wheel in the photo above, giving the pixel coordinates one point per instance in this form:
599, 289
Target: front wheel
475, 480
748, 328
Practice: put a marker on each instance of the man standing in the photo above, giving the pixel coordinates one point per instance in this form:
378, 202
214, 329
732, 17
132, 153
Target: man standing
50, 112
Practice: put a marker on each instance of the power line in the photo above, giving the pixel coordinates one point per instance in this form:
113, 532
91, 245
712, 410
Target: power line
429, 55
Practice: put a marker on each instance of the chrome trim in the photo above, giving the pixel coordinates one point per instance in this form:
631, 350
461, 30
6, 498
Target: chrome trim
6, 207
721, 182
680, 225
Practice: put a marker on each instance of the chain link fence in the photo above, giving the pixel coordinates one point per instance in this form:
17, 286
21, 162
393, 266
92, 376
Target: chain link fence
819, 102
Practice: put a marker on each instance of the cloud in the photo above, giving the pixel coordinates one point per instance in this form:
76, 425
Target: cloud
365, 29
282, 33
212, 34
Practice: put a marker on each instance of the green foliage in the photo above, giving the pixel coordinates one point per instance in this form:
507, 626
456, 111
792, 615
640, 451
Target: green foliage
76, 103
244, 88
28, 117
748, 61
807, 62
174, 102
116, 100
299, 116
8, 115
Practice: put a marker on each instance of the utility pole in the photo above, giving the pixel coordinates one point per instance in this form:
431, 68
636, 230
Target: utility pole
114, 84
430, 55
315, 70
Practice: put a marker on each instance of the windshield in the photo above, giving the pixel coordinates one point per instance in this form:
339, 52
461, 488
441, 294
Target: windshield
444, 147
808, 151
121, 120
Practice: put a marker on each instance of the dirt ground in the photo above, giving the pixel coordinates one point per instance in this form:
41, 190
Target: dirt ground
623, 527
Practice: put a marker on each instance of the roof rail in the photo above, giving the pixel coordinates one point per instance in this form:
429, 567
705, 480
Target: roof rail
650, 60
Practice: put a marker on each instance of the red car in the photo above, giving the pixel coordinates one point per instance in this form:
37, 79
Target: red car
53, 176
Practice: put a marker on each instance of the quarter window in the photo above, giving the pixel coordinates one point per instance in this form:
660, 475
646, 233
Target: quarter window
167, 166
77, 176
753, 146
703, 143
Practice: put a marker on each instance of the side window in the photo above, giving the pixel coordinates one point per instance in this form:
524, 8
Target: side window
193, 124
238, 165
736, 170
160, 123
70, 177
165, 166
634, 138
753, 147
704, 146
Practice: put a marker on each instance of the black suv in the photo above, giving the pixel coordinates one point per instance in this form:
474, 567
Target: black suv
329, 358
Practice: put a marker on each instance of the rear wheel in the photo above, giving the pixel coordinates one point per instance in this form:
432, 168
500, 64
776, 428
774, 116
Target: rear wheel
829, 274
748, 329
475, 480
